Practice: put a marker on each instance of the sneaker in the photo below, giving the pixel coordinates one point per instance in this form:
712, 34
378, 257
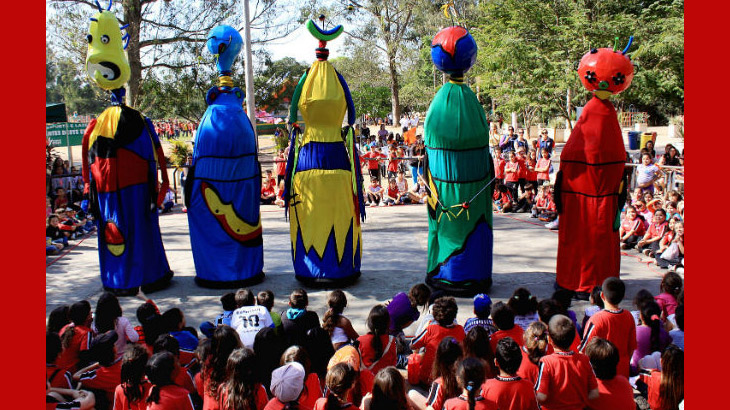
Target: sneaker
383, 204
373, 205
552, 225
672, 268
646, 252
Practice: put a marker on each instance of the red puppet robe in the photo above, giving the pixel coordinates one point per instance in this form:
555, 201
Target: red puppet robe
589, 183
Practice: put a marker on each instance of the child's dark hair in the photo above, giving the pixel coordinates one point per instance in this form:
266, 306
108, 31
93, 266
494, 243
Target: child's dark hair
562, 331
613, 290
336, 302
419, 294
224, 341
229, 301
671, 387
508, 355
679, 317
389, 390
146, 312
107, 312
445, 310
166, 343
58, 318
641, 297
448, 354
102, 348
476, 344
78, 313
546, 309
241, 380
244, 297
650, 315
471, 376
672, 284
536, 341
173, 319
503, 316
340, 378
522, 302
159, 371
265, 298
604, 358
134, 362
296, 354
378, 321
299, 299
563, 297
268, 347
53, 346
596, 297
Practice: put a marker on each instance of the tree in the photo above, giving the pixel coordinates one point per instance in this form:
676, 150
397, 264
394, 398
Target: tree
64, 84
165, 34
276, 81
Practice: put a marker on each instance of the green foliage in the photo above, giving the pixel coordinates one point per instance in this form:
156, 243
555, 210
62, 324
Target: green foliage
371, 100
274, 85
179, 153
282, 140
65, 84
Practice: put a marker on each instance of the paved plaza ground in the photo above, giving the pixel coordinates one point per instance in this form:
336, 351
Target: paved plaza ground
394, 258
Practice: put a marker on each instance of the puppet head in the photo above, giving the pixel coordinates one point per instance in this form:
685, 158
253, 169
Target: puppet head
106, 61
454, 51
606, 71
323, 36
225, 42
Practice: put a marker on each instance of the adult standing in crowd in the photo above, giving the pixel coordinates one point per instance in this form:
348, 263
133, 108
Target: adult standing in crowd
417, 152
546, 142
404, 123
508, 141
382, 133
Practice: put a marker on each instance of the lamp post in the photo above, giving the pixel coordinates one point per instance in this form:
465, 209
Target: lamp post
250, 97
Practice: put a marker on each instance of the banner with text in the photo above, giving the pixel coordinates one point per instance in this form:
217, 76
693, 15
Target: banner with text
65, 134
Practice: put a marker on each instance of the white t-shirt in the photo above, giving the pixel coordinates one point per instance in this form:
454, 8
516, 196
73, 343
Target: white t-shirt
248, 320
414, 122
524, 321
404, 122
645, 173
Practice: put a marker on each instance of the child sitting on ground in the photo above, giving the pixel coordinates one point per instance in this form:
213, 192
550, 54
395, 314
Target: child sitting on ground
340, 381
377, 348
649, 244
670, 287
229, 305
392, 196
265, 298
542, 201
508, 390
524, 307
470, 375
534, 348
444, 312
504, 319
174, 320
566, 377
312, 388
613, 323
402, 183
403, 311
503, 199
445, 385
615, 392
665, 388
338, 326
287, 384
375, 192
595, 306
631, 229
482, 310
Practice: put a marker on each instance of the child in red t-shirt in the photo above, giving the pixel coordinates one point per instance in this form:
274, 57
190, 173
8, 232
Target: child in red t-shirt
164, 394
75, 336
542, 167
541, 201
499, 164
512, 174
665, 388
445, 386
377, 348
444, 313
470, 375
391, 196
509, 391
389, 391
242, 385
613, 323
531, 165
132, 392
340, 381
566, 379
522, 174
56, 376
649, 244
268, 191
534, 348
105, 373
631, 229
615, 392
503, 198
287, 384
504, 319
168, 343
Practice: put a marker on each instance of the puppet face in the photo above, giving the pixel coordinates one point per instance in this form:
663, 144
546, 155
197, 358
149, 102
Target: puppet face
605, 71
226, 43
106, 61
453, 50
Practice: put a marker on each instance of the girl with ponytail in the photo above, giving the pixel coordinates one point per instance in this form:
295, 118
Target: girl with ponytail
164, 394
242, 391
445, 385
377, 348
534, 348
337, 326
75, 336
650, 335
470, 375
671, 287
666, 388
132, 392
340, 381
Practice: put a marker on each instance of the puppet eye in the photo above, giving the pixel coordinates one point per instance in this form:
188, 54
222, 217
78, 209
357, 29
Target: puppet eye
105, 39
590, 76
89, 38
618, 79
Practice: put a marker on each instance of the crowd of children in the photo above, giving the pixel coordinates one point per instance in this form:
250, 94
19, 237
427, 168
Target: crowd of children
174, 129
516, 355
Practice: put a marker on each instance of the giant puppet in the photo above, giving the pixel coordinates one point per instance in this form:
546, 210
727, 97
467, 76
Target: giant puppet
590, 186
458, 173
323, 178
223, 186
121, 154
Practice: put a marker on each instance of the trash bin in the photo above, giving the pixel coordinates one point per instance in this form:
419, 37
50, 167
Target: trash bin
634, 139
645, 137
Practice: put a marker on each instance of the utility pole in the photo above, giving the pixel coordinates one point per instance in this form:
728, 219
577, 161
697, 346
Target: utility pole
250, 97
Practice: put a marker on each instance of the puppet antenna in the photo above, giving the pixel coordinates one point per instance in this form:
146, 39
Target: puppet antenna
631, 40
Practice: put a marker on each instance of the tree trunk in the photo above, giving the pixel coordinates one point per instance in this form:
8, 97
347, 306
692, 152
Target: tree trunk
394, 99
133, 17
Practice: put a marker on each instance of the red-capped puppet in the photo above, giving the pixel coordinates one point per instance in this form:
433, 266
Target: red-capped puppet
591, 183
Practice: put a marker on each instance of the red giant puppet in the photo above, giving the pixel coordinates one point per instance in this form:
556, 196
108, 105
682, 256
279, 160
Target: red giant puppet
590, 186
